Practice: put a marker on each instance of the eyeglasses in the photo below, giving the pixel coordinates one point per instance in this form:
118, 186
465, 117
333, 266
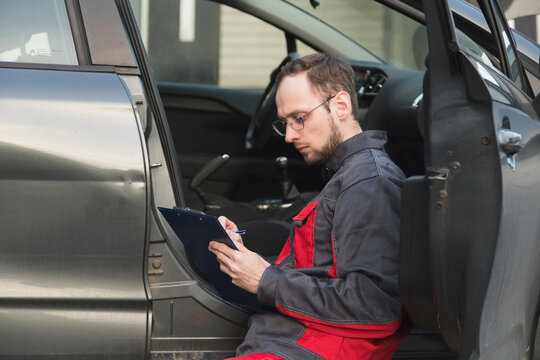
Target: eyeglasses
294, 121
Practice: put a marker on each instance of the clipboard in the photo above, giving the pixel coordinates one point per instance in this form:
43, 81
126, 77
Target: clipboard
196, 230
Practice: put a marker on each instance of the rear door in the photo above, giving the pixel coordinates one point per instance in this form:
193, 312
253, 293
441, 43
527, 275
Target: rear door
73, 184
483, 167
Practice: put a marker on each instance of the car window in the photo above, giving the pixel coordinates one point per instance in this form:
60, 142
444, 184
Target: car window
203, 42
511, 55
386, 33
482, 43
488, 57
36, 31
248, 57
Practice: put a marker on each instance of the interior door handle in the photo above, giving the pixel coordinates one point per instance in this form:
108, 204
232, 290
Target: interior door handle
510, 142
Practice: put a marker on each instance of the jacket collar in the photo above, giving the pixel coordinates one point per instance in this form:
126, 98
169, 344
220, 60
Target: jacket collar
371, 139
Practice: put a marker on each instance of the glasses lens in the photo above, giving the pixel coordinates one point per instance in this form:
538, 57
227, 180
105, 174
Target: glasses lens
280, 127
298, 123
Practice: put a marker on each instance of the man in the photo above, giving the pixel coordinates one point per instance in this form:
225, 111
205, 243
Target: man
334, 285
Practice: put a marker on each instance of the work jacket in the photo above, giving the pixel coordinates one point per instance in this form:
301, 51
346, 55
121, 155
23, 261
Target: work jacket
334, 285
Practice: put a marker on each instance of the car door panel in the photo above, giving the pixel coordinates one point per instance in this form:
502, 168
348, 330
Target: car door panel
507, 322
73, 216
482, 240
207, 121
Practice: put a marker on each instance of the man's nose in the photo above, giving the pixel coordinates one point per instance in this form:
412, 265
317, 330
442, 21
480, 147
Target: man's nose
290, 134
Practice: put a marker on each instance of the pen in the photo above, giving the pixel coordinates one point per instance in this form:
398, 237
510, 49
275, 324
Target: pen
240, 232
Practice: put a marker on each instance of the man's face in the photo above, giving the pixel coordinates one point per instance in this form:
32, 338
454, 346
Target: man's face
320, 136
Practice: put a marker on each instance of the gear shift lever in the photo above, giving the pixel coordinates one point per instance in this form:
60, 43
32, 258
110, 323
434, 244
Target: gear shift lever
289, 190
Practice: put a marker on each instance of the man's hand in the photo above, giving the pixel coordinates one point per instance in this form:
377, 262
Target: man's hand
231, 229
243, 266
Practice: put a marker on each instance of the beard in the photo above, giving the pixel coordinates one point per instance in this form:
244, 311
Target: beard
333, 141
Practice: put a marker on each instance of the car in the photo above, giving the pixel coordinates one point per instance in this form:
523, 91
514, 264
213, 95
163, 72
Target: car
107, 115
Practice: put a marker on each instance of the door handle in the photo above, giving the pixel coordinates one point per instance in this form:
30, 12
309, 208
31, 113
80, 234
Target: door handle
509, 142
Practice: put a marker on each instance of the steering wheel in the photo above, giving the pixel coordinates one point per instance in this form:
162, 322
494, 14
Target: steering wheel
260, 128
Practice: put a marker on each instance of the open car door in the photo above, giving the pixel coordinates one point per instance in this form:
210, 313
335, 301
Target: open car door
483, 179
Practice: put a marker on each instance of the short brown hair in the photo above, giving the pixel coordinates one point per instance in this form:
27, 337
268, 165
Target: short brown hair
326, 73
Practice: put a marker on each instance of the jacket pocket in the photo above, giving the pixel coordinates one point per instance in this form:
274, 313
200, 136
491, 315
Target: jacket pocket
304, 236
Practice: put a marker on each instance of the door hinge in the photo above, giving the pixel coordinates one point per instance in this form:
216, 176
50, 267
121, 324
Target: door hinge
437, 173
154, 259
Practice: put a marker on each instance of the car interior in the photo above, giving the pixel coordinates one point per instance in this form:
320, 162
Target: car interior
257, 176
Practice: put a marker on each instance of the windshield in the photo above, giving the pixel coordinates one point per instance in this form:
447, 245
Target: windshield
393, 37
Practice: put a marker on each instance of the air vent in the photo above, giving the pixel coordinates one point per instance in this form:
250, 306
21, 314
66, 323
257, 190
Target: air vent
375, 83
371, 83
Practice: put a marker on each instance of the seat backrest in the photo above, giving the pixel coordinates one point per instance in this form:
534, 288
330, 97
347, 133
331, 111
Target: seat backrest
393, 110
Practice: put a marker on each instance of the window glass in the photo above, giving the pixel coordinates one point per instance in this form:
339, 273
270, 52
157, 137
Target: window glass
483, 44
386, 33
36, 31
513, 60
196, 41
473, 3
476, 41
482, 54
248, 57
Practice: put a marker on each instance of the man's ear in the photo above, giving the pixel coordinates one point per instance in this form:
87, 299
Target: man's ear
342, 105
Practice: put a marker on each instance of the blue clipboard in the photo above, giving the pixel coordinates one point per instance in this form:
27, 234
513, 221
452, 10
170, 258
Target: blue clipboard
196, 230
